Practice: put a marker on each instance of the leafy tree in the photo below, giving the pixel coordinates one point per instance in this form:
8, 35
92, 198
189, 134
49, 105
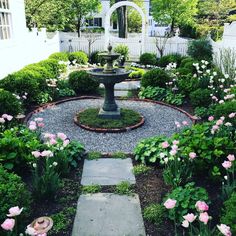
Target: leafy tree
174, 12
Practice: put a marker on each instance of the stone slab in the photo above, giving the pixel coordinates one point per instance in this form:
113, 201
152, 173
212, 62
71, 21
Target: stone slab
107, 171
107, 214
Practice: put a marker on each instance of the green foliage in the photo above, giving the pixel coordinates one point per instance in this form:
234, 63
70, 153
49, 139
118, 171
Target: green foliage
90, 118
13, 192
174, 58
94, 155
9, 103
174, 99
200, 98
154, 213
141, 169
16, 145
188, 61
200, 49
136, 73
124, 188
81, 82
59, 56
41, 70
229, 216
186, 198
91, 189
53, 67
66, 92
183, 71
43, 98
155, 78
123, 50
119, 155
78, 57
187, 84
202, 112
148, 59
62, 220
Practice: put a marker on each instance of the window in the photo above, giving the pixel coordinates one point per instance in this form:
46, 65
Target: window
98, 22
5, 20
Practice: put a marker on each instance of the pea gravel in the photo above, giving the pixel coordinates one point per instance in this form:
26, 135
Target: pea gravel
159, 120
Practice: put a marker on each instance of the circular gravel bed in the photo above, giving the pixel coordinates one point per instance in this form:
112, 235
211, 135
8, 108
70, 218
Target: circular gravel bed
159, 120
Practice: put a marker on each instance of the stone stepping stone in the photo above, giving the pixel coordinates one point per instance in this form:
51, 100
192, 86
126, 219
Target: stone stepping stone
107, 214
121, 93
107, 171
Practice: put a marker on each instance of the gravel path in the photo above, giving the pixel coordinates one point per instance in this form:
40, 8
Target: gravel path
159, 120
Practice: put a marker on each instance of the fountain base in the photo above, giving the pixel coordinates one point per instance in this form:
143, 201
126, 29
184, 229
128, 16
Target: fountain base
109, 114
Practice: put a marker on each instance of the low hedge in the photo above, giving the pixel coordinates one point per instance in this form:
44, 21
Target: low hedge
165, 60
79, 57
59, 56
148, 59
53, 67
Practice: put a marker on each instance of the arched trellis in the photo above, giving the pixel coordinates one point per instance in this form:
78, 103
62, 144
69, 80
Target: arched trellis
108, 19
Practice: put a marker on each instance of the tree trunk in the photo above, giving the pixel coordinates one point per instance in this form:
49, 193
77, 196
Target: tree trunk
122, 21
78, 26
172, 27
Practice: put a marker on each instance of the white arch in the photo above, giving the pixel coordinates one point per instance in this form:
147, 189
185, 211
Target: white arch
108, 18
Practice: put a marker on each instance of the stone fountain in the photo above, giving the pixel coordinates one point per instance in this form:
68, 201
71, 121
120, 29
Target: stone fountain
109, 76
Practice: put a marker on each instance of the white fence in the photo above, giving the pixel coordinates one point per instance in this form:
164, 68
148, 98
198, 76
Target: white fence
30, 48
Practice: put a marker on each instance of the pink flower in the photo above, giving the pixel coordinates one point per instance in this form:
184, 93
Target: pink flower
39, 119
2, 120
30, 230
224, 229
204, 217
61, 136
41, 125
173, 152
215, 127
210, 118
232, 115
177, 124
185, 122
14, 211
52, 141
231, 157
174, 147
170, 203
4, 116
32, 127
8, 117
8, 224
201, 206
32, 123
192, 155
219, 122
165, 144
66, 142
227, 164
50, 136
185, 224
46, 153
176, 142
190, 217
36, 154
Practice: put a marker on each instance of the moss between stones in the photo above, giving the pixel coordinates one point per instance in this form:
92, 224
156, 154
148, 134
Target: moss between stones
89, 117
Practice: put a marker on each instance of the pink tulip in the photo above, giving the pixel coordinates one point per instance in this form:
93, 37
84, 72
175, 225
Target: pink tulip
4, 116
39, 119
185, 224
14, 211
2, 120
215, 127
41, 125
210, 118
165, 144
62, 136
174, 147
176, 142
46, 153
173, 152
32, 127
204, 217
8, 224
170, 203
177, 124
66, 142
30, 230
219, 122
32, 123
52, 141
201, 206
185, 122
227, 164
192, 155
224, 229
36, 154
231, 157
8, 117
190, 217
232, 115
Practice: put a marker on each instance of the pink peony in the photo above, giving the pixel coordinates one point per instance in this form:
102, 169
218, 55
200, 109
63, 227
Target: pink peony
185, 224
14, 211
190, 217
204, 217
8, 224
165, 144
219, 122
62, 136
211, 118
224, 229
53, 141
32, 127
173, 152
170, 203
41, 125
231, 157
2, 120
232, 115
192, 155
227, 164
46, 153
66, 142
36, 154
215, 127
201, 206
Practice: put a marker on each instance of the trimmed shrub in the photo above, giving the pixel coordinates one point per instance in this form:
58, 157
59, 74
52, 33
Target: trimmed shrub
123, 50
81, 82
155, 78
187, 84
9, 103
136, 73
186, 60
13, 192
59, 56
200, 98
79, 57
52, 67
200, 49
148, 59
183, 71
165, 60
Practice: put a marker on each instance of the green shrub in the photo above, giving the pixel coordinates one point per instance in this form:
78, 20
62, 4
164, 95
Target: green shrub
136, 73
187, 84
154, 93
79, 57
154, 213
148, 59
200, 49
13, 192
39, 69
124, 188
9, 103
81, 82
59, 56
53, 67
186, 198
165, 60
187, 60
229, 216
200, 98
94, 57
123, 50
155, 78
183, 71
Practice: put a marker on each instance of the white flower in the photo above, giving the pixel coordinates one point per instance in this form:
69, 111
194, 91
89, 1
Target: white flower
34, 165
225, 177
55, 163
215, 73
